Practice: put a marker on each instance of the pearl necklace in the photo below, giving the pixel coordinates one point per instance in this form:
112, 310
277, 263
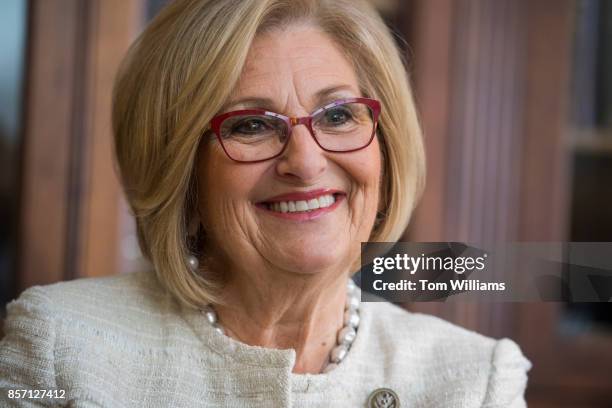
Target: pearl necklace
346, 335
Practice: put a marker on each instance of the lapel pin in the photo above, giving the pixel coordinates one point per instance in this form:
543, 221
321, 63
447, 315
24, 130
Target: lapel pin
383, 398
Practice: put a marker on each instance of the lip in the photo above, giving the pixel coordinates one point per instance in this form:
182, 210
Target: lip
302, 195
298, 196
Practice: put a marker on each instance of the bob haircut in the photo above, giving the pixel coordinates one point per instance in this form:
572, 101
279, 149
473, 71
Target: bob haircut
176, 77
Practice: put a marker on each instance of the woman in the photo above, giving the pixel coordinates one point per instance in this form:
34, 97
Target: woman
259, 143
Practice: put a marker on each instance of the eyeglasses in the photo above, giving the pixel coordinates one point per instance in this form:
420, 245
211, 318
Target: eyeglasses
255, 135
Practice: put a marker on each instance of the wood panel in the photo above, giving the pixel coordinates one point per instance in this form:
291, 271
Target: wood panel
431, 74
469, 74
428, 27
546, 168
570, 369
52, 65
70, 200
114, 25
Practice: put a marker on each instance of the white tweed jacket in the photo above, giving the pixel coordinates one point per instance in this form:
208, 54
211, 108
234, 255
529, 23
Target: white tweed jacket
124, 342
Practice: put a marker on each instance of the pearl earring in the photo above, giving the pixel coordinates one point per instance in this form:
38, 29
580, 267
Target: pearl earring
193, 263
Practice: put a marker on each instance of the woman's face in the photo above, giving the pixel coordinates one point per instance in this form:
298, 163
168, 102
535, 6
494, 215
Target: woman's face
292, 72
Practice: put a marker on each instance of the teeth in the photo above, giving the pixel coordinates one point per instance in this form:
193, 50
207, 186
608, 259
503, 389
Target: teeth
302, 205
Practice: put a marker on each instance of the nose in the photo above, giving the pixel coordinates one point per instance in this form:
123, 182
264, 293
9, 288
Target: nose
303, 160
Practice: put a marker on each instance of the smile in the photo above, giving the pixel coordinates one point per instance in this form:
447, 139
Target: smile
302, 206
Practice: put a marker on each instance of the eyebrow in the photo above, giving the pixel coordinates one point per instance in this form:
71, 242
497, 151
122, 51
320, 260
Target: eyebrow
320, 97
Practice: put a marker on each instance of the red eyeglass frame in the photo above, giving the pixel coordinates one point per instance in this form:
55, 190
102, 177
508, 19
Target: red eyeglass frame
373, 104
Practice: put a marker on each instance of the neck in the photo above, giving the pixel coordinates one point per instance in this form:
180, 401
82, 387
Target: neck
301, 312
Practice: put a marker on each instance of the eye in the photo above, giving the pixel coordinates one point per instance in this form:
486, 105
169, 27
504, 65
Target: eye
337, 116
250, 126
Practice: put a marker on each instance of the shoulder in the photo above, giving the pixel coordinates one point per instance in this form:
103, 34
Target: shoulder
493, 371
69, 292
79, 334
128, 288
110, 304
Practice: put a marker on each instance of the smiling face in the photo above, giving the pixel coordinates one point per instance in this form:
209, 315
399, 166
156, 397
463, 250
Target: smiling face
260, 215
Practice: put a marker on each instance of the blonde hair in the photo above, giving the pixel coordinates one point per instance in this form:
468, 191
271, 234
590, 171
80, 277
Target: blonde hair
182, 69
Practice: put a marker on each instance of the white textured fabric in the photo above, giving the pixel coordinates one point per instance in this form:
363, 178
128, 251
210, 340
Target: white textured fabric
123, 342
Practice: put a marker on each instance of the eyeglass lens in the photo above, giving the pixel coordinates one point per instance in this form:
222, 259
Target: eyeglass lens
339, 128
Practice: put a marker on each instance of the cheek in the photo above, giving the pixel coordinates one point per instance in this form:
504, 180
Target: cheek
364, 171
223, 187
